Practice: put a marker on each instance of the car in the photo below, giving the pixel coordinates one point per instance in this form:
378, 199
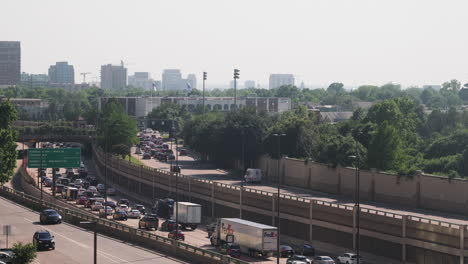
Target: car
97, 206
111, 204
48, 182
120, 215
148, 222
92, 189
110, 191
81, 200
286, 251
146, 155
253, 175
42, 239
100, 187
123, 207
176, 234
78, 181
308, 250
168, 225
138, 151
50, 216
171, 157
323, 260
182, 152
108, 210
349, 258
134, 213
124, 201
231, 249
299, 258
140, 208
6, 256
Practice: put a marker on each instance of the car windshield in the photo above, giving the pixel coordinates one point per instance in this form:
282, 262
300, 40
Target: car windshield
50, 212
44, 235
326, 258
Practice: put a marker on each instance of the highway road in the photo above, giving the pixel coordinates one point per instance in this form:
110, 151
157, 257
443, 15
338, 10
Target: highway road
188, 168
73, 244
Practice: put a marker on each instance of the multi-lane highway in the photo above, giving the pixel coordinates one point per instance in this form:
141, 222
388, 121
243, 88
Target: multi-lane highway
73, 245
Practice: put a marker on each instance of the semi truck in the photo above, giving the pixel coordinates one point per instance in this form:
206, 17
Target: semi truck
189, 214
254, 239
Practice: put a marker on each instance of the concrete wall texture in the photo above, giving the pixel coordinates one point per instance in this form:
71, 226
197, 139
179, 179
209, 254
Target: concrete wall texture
407, 239
421, 190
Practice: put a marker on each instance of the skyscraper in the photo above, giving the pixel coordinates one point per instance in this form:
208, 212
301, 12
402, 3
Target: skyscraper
278, 80
141, 80
172, 80
192, 79
113, 76
62, 73
249, 84
10, 63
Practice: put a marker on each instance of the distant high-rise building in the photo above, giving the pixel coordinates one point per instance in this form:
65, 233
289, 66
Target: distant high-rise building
249, 84
62, 73
141, 80
113, 76
172, 80
10, 63
157, 85
192, 79
278, 80
34, 80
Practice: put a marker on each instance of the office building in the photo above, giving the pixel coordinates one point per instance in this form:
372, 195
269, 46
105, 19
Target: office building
249, 84
34, 80
113, 76
141, 106
278, 80
141, 80
28, 108
172, 80
192, 79
61, 73
10, 63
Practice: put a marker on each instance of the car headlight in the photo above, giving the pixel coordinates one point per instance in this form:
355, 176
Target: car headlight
40, 241
60, 217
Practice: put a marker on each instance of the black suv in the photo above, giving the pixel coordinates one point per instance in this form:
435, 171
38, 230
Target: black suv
43, 240
120, 215
148, 222
50, 216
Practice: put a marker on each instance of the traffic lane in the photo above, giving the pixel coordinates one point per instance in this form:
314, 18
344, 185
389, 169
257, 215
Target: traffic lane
73, 245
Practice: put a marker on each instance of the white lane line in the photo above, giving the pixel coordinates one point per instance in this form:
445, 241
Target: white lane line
102, 253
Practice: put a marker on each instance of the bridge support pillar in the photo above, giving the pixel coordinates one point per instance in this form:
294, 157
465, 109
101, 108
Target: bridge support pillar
190, 188
311, 217
462, 243
273, 208
241, 190
403, 240
213, 199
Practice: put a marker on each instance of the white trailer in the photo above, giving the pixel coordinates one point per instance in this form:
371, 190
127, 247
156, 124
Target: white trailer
189, 214
254, 239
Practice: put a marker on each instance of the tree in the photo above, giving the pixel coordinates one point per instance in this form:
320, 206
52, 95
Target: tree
336, 88
23, 253
8, 138
463, 94
453, 85
384, 150
167, 117
115, 127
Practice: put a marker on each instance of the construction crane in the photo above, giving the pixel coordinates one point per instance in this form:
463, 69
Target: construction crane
84, 76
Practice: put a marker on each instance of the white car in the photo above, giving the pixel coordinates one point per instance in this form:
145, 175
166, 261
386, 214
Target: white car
349, 258
123, 207
97, 206
78, 181
134, 213
108, 209
92, 189
323, 260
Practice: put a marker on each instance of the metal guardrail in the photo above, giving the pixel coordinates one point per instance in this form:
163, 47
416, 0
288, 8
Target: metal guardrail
66, 212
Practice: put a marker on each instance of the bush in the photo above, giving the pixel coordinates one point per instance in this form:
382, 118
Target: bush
23, 253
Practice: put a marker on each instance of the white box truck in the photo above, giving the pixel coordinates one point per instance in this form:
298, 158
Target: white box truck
256, 240
189, 214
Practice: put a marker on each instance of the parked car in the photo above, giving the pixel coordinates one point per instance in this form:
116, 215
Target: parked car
120, 215
168, 225
110, 191
43, 240
140, 208
50, 216
286, 251
299, 258
134, 213
349, 258
97, 206
231, 249
176, 234
323, 260
148, 222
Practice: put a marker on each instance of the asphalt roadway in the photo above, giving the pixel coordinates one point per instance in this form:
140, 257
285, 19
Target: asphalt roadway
73, 244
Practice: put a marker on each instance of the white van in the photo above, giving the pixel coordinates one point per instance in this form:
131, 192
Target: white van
253, 175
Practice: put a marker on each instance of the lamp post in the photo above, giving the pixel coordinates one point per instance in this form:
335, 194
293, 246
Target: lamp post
236, 76
92, 225
176, 188
205, 75
357, 205
278, 196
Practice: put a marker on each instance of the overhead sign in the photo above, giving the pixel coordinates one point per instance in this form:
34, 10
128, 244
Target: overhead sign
54, 158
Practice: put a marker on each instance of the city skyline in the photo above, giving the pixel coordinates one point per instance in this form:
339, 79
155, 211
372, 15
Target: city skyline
411, 43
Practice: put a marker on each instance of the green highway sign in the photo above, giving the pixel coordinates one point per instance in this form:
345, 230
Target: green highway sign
54, 157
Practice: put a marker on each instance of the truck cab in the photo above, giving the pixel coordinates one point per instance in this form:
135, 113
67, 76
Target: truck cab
253, 175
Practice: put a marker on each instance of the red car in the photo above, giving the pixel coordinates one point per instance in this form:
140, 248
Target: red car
176, 235
81, 200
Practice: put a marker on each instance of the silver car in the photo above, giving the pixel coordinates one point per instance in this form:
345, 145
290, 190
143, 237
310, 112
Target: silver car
323, 260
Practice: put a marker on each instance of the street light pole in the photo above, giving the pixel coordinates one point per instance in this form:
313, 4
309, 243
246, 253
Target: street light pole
357, 205
236, 76
204, 79
94, 226
278, 197
177, 191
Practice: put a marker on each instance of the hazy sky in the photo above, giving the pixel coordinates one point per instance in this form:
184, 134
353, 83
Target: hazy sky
413, 42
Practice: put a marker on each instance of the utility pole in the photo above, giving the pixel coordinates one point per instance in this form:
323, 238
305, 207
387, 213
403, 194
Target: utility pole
236, 76
204, 79
278, 196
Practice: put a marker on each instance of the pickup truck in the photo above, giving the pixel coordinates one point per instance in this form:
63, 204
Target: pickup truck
349, 258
